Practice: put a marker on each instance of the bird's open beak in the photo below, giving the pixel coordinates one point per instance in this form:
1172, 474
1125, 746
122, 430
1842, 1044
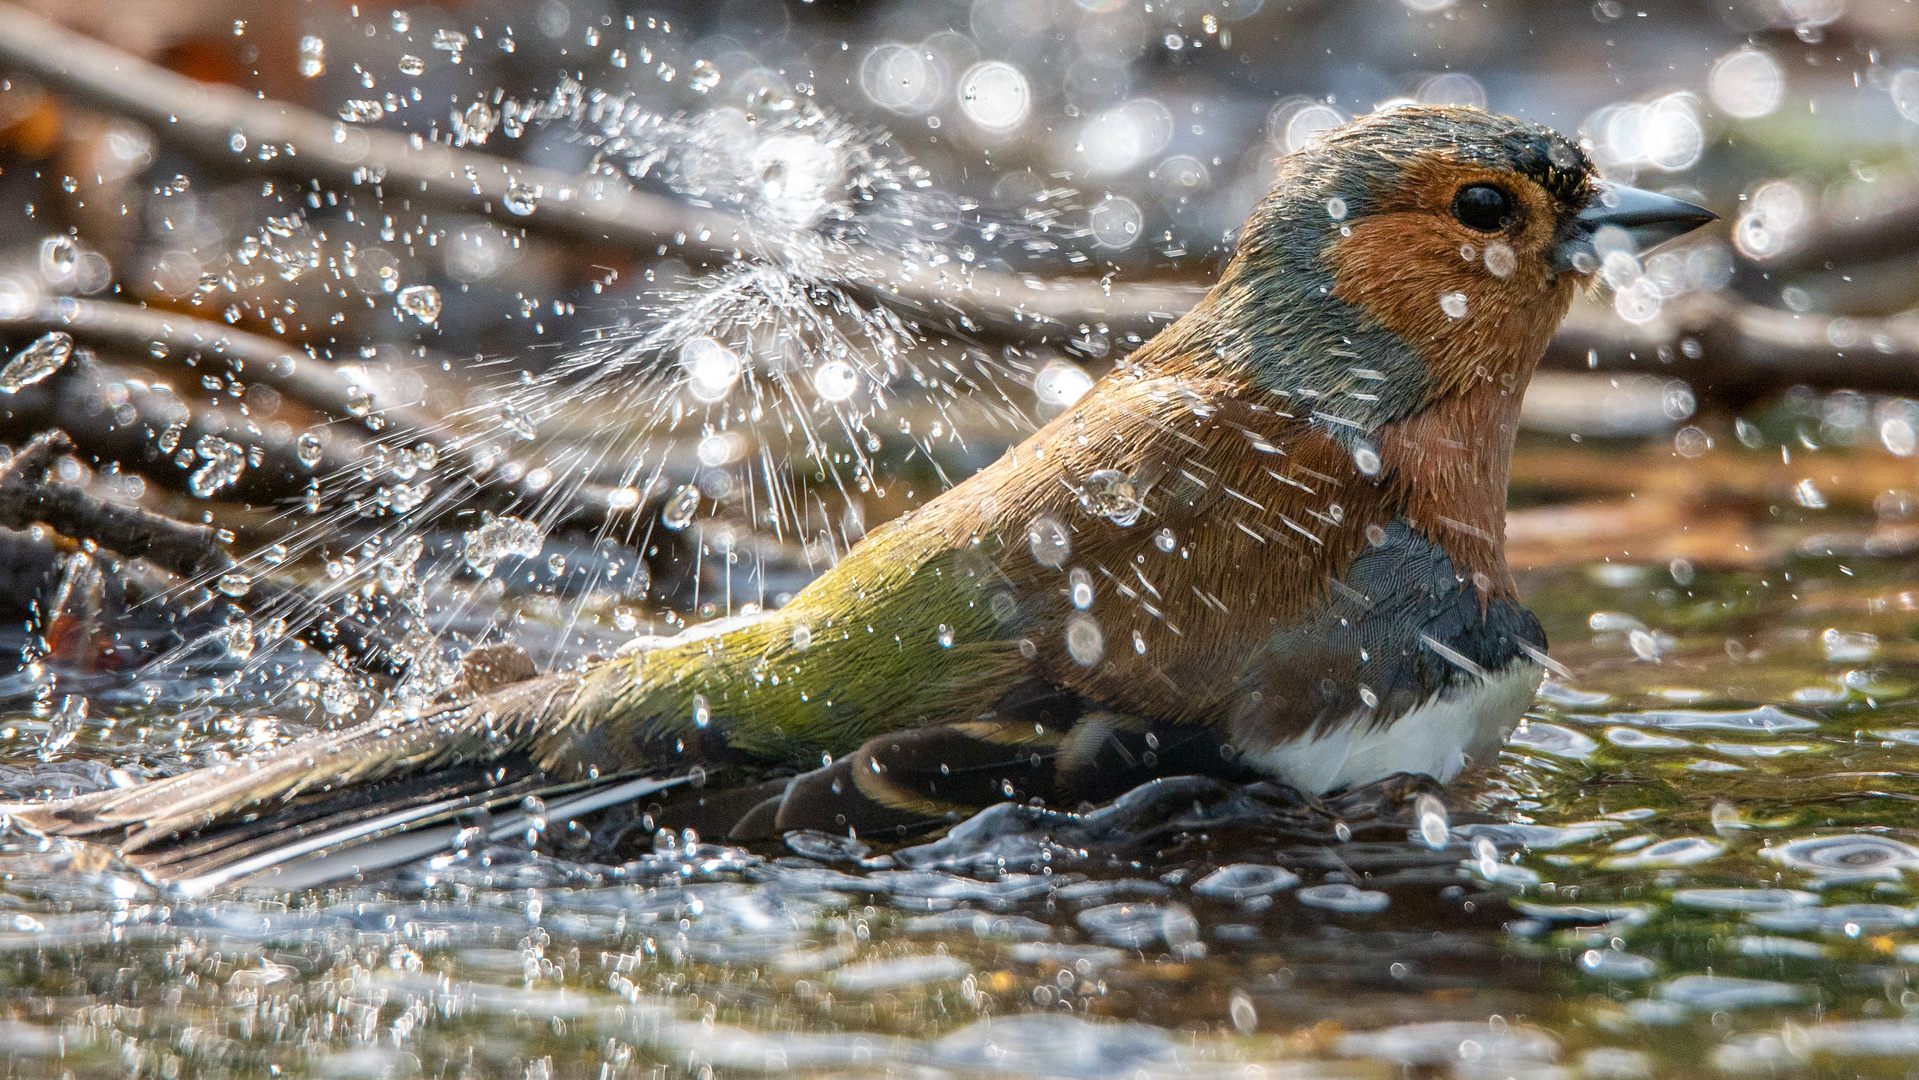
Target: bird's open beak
1647, 218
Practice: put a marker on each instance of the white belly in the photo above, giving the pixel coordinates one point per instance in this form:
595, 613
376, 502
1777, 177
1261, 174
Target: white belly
1469, 723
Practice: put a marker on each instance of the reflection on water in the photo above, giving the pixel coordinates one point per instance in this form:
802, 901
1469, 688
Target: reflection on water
1695, 858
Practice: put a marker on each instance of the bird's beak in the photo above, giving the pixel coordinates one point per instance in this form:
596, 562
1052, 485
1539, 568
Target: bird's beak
1646, 218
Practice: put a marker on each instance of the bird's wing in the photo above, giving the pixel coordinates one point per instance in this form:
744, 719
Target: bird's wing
1397, 628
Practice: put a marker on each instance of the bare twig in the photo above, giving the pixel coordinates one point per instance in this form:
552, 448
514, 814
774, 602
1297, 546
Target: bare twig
1741, 351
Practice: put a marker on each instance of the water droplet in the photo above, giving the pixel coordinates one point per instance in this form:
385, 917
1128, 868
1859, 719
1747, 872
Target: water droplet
1365, 458
1500, 260
556, 564
412, 65
705, 76
835, 380
1336, 208
1110, 494
702, 712
225, 462
1059, 384
46, 355
1080, 586
421, 301
477, 122
500, 537
1453, 304
59, 256
1165, 540
945, 636
235, 584
401, 21
679, 508
1139, 643
802, 637
1435, 828
1084, 641
312, 56
522, 198
1049, 541
711, 368
307, 448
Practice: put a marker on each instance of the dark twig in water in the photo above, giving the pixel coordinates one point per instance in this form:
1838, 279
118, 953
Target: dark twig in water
196, 553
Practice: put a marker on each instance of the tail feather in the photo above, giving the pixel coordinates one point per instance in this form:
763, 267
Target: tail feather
479, 729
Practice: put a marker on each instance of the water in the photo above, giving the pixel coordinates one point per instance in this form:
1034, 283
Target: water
1599, 905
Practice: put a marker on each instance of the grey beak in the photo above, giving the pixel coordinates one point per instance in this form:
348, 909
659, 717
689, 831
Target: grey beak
1648, 218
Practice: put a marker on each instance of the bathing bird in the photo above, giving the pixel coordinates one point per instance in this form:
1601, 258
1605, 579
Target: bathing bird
1267, 544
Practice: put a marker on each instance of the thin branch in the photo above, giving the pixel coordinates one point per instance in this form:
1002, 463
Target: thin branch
291, 372
206, 120
1741, 351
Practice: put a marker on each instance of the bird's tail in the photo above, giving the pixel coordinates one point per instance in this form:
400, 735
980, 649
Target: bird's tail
776, 688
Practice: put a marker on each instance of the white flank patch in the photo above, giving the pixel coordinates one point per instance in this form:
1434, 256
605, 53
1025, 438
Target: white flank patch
1437, 738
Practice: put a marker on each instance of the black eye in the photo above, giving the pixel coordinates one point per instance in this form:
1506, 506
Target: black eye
1484, 207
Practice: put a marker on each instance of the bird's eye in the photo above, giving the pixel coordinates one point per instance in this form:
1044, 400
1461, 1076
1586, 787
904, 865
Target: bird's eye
1483, 207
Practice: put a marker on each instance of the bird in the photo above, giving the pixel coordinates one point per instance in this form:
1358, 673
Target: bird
1267, 545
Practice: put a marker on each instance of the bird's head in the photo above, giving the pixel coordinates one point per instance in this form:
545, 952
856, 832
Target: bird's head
1419, 252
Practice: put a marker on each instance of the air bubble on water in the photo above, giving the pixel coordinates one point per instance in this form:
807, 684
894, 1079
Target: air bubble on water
224, 462
1110, 493
411, 64
312, 56
1435, 828
1049, 541
46, 355
421, 301
945, 636
702, 712
1079, 585
679, 508
1453, 304
522, 198
1084, 641
308, 449
1165, 540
